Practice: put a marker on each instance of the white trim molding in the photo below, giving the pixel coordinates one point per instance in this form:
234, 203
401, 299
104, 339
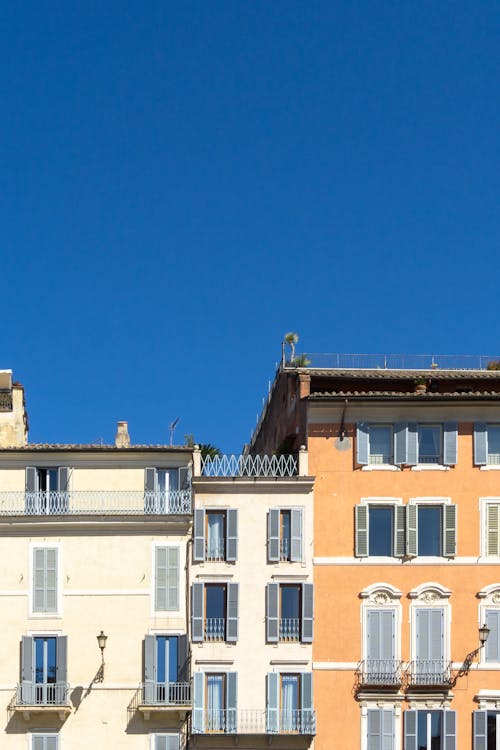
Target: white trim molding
429, 593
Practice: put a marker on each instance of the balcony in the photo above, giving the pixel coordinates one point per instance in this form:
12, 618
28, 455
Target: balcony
95, 502
36, 697
215, 629
289, 629
430, 673
245, 721
380, 673
162, 697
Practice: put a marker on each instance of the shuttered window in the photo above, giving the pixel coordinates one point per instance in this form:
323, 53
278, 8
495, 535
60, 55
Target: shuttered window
44, 579
430, 665
493, 529
429, 730
215, 535
167, 576
167, 742
381, 639
380, 530
486, 730
289, 612
44, 742
285, 534
380, 729
492, 647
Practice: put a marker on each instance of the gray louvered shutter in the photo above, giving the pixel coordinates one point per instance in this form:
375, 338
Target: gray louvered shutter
197, 594
480, 444
449, 530
160, 742
272, 715
306, 703
184, 477
400, 443
430, 638
52, 743
410, 723
450, 729
387, 730
44, 579
31, 486
62, 659
381, 636
149, 669
361, 530
231, 702
411, 530
296, 532
160, 579
273, 535
182, 659
173, 742
199, 535
480, 728
231, 535
27, 670
492, 647
399, 531
232, 612
362, 443
198, 724
51, 579
450, 443
412, 444
38, 742
173, 569
31, 483
149, 490
272, 602
63, 475
493, 529
374, 729
307, 612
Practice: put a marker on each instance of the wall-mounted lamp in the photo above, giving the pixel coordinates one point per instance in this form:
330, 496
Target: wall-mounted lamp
484, 632
483, 635
101, 640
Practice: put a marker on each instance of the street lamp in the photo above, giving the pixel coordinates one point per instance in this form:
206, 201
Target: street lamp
484, 632
101, 640
483, 635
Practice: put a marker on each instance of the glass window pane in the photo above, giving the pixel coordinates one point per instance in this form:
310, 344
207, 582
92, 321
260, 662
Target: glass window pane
290, 602
429, 444
215, 601
492, 730
380, 445
429, 530
422, 730
436, 729
494, 445
215, 535
380, 525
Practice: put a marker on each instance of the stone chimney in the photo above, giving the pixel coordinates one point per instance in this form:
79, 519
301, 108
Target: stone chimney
13, 417
122, 439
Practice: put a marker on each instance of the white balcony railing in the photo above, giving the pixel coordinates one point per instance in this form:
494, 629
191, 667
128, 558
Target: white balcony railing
249, 466
215, 550
289, 629
248, 721
166, 693
215, 629
95, 502
42, 694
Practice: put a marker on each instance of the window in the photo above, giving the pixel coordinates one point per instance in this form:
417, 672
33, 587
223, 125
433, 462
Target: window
285, 534
486, 730
492, 647
430, 730
166, 670
214, 702
380, 729
289, 703
430, 444
430, 523
44, 742
215, 535
44, 586
167, 490
289, 612
430, 666
43, 670
214, 612
381, 666
406, 443
167, 578
47, 490
381, 442
380, 529
166, 742
492, 536
431, 529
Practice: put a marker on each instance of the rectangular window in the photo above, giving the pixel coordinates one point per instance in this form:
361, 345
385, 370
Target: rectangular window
290, 612
493, 529
430, 667
430, 439
215, 612
493, 444
430, 730
44, 742
380, 729
215, 690
290, 703
430, 530
166, 742
47, 490
165, 670
215, 535
44, 585
381, 442
492, 647
381, 532
167, 490
285, 534
167, 565
381, 667
43, 671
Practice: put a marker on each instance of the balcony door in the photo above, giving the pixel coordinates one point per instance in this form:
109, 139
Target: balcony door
290, 703
380, 645
430, 656
216, 692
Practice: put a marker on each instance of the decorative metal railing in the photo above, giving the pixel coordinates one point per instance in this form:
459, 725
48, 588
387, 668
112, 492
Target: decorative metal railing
430, 672
249, 466
42, 694
215, 629
434, 459
215, 550
380, 672
5, 401
95, 502
248, 721
166, 693
398, 361
284, 550
289, 629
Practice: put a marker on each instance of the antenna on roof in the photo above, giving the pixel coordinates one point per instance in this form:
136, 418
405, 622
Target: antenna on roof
171, 429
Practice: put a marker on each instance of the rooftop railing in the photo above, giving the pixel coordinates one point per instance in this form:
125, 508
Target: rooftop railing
395, 361
95, 502
249, 466
248, 721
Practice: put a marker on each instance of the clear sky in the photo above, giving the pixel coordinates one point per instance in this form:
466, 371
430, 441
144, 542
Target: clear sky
181, 183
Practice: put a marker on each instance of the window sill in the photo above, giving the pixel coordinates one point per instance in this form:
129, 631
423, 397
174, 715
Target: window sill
430, 467
493, 467
380, 467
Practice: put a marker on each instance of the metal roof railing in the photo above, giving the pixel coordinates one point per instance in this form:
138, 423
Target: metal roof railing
396, 361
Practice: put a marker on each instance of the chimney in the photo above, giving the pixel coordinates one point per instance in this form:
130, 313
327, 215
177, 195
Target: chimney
122, 439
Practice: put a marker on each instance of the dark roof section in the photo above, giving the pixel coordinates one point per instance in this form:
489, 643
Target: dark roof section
469, 395
381, 374
97, 447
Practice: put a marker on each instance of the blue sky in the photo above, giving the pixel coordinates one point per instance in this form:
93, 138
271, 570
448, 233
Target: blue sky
181, 183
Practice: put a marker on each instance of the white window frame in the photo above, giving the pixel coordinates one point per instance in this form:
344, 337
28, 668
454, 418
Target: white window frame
31, 571
381, 596
381, 502
385, 705
154, 735
43, 733
166, 612
430, 595
432, 501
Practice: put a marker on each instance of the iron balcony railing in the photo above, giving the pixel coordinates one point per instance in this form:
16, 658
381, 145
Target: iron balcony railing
249, 466
166, 693
215, 629
397, 361
95, 502
215, 550
434, 459
289, 629
42, 694
430, 672
248, 721
380, 672
5, 401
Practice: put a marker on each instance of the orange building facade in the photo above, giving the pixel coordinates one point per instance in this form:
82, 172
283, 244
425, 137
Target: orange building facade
406, 550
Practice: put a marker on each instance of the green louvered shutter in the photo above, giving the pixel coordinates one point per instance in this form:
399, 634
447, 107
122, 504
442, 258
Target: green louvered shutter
493, 529
361, 530
450, 443
449, 530
480, 444
399, 531
480, 728
411, 530
362, 443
